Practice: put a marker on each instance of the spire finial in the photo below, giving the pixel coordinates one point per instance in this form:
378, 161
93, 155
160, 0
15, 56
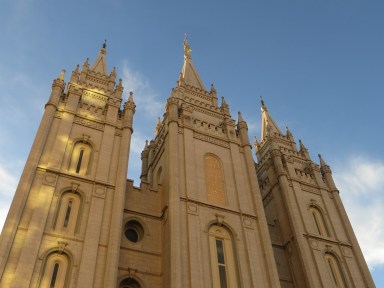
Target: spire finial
61, 76
255, 142
322, 162
288, 131
187, 48
105, 44
262, 101
240, 117
130, 98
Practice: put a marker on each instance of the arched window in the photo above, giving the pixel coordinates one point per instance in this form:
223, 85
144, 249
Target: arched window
80, 158
68, 212
318, 221
222, 258
214, 179
129, 283
335, 271
55, 271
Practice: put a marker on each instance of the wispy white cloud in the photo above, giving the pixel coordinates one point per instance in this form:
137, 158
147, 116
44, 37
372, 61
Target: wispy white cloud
361, 185
138, 142
145, 97
8, 183
137, 146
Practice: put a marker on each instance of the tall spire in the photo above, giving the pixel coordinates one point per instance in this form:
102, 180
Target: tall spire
100, 64
189, 73
268, 125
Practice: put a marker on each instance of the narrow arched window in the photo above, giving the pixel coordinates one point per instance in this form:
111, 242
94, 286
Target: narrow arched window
80, 159
55, 271
223, 265
318, 221
214, 180
129, 283
54, 275
335, 271
68, 212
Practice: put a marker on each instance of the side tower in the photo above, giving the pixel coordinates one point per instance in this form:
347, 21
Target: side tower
212, 221
312, 238
63, 227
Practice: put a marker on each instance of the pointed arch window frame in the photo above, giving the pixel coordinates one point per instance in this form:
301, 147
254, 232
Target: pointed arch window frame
63, 221
229, 254
81, 157
51, 270
335, 269
319, 220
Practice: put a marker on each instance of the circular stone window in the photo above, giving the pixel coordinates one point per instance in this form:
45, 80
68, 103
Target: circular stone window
133, 231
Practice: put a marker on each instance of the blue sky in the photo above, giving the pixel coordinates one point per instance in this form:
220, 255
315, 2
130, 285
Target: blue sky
318, 64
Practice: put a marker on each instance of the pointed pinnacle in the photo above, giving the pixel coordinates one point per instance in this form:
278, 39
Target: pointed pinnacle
86, 64
322, 162
146, 144
61, 76
288, 131
240, 117
130, 98
255, 142
119, 85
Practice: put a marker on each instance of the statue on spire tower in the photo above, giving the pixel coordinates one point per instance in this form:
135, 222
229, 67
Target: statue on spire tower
187, 48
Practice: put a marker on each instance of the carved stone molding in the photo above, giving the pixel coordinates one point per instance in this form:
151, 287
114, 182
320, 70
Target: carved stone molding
50, 179
314, 244
193, 208
248, 222
219, 218
99, 191
89, 123
61, 245
310, 189
209, 139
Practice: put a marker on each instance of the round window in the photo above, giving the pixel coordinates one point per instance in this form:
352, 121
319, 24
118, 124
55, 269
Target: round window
133, 231
132, 235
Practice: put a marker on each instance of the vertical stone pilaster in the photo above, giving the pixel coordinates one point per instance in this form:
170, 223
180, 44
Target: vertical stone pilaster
105, 155
30, 249
175, 268
112, 262
14, 215
91, 241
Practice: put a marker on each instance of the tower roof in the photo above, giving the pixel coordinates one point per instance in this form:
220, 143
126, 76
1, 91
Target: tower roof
268, 125
189, 72
100, 64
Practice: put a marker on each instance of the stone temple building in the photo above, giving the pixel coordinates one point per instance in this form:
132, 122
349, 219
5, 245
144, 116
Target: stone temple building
205, 214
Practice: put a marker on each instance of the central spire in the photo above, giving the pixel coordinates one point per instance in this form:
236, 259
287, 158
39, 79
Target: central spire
268, 126
189, 73
100, 64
